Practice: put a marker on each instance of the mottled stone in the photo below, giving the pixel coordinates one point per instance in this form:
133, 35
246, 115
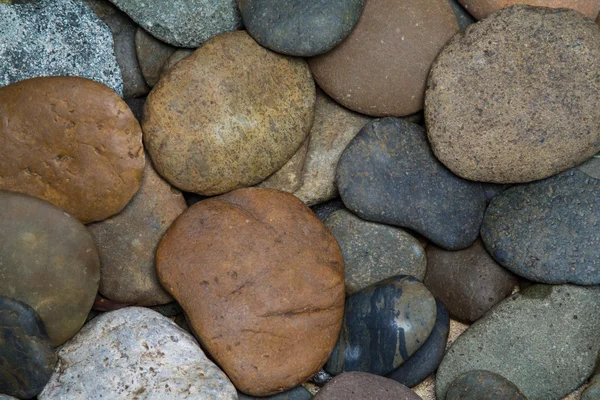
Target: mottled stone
177, 56
56, 38
503, 105
547, 231
483, 8
70, 141
544, 339
324, 210
384, 324
388, 174
483, 385
429, 356
274, 275
300, 28
49, 261
334, 127
462, 16
321, 378
593, 391
298, 393
135, 353
183, 23
27, 356
381, 68
152, 55
232, 135
289, 177
469, 282
361, 386
127, 242
374, 252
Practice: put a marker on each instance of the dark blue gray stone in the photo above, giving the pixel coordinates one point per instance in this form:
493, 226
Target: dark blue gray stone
549, 231
388, 174
297, 393
462, 16
427, 359
384, 324
483, 385
323, 210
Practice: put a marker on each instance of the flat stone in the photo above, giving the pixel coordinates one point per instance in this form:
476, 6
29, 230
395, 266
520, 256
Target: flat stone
382, 66
544, 339
56, 38
300, 28
384, 325
462, 16
70, 141
48, 261
289, 177
388, 174
593, 390
469, 282
183, 23
503, 106
213, 140
127, 242
152, 55
426, 360
134, 353
324, 210
26, 351
298, 393
483, 385
244, 251
374, 252
361, 386
334, 127
483, 8
547, 231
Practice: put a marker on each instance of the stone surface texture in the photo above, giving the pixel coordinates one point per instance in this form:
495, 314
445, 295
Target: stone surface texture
152, 55
289, 177
483, 385
361, 386
483, 8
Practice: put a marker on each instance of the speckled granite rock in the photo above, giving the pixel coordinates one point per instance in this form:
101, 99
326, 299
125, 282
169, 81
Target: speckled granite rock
152, 55
56, 38
362, 386
483, 385
132, 353
298, 393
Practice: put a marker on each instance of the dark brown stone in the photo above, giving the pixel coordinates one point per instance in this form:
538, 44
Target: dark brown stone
362, 386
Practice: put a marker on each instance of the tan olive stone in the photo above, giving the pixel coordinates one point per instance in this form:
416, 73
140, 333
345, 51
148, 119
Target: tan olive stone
289, 177
261, 281
177, 56
152, 54
49, 261
228, 116
127, 242
483, 8
71, 141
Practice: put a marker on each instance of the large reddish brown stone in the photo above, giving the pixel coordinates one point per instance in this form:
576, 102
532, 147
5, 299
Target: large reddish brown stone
482, 8
262, 282
380, 69
70, 141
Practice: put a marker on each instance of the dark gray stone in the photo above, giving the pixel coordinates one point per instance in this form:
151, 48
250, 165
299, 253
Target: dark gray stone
483, 385
324, 210
152, 55
137, 108
388, 174
299, 27
321, 378
297, 393
462, 16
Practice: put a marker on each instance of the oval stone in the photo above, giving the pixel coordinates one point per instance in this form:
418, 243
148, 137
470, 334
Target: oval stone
297, 393
483, 385
275, 278
483, 8
70, 141
503, 105
49, 261
152, 55
361, 386
228, 116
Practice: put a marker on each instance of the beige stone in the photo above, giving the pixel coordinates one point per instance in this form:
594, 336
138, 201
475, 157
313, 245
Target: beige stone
483, 8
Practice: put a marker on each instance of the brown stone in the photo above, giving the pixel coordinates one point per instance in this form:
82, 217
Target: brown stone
483, 8
362, 386
289, 177
504, 105
177, 56
380, 69
228, 116
49, 261
261, 281
152, 54
70, 141
127, 242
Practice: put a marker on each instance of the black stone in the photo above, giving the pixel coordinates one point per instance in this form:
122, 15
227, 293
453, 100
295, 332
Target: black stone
297, 393
323, 210
137, 107
427, 359
192, 198
483, 385
299, 27
462, 16
321, 378
388, 174
27, 357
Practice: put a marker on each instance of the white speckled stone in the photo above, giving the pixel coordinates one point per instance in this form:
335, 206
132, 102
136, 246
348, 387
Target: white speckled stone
135, 353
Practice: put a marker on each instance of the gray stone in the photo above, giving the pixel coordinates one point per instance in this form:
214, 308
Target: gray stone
462, 16
135, 353
374, 252
297, 393
177, 56
56, 38
152, 55
183, 23
483, 385
592, 392
545, 340
324, 210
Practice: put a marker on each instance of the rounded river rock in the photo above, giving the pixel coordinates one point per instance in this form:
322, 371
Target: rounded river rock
361, 386
483, 8
483, 385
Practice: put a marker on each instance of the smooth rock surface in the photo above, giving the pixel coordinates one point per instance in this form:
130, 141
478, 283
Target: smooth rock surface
127, 242
388, 174
544, 339
483, 8
462, 16
503, 105
547, 231
361, 386
384, 325
374, 252
152, 55
70, 141
174, 58
224, 137
183, 23
381, 67
27, 356
135, 353
298, 393
275, 278
483, 385
56, 38
300, 28
289, 177
48, 261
